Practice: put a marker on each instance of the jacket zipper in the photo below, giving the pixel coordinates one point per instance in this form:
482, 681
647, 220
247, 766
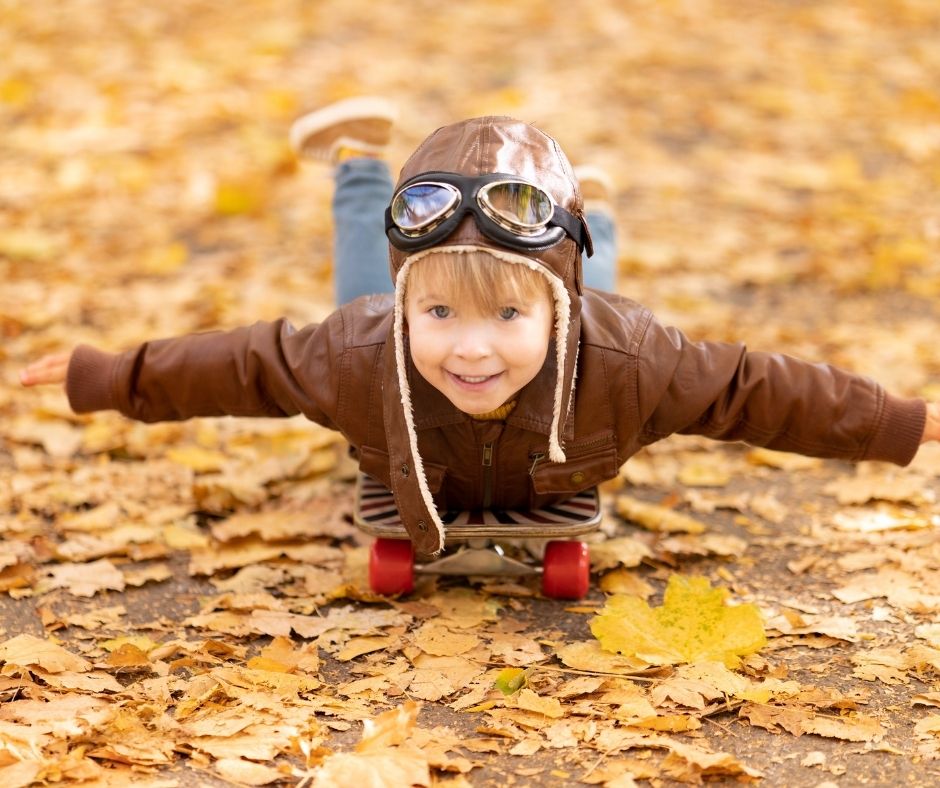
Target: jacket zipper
536, 458
487, 474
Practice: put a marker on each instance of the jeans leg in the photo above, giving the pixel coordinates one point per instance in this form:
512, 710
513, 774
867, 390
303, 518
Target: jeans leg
600, 270
360, 262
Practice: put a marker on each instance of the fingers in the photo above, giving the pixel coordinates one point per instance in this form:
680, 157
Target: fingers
932, 423
49, 370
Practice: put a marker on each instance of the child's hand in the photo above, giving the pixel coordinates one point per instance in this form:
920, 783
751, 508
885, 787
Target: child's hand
932, 427
49, 370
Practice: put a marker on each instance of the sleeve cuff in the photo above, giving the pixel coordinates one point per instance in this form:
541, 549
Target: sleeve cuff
88, 380
900, 429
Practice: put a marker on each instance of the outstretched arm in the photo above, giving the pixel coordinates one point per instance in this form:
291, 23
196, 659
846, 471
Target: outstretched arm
723, 391
267, 369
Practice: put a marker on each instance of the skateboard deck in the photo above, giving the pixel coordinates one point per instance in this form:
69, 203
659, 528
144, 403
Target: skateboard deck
376, 514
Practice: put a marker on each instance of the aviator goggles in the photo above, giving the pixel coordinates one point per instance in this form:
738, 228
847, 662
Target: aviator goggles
507, 209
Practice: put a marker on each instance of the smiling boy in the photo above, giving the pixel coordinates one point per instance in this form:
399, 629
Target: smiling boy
493, 377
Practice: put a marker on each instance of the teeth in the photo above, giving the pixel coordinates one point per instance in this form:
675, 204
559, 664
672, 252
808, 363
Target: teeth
473, 378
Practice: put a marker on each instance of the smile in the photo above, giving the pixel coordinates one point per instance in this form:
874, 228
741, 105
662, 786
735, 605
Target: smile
473, 381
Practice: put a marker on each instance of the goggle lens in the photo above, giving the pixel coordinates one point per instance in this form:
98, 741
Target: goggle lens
419, 208
523, 207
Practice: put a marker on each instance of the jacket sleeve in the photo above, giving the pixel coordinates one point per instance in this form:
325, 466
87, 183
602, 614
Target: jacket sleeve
723, 391
268, 369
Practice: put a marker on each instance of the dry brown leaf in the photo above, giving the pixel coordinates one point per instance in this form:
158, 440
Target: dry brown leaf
84, 579
530, 701
705, 544
377, 769
20, 774
437, 640
621, 551
588, 655
243, 772
703, 474
657, 518
438, 677
28, 651
383, 757
92, 681
691, 762
516, 650
857, 728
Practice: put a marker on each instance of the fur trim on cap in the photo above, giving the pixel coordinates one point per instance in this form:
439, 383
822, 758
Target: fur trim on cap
562, 302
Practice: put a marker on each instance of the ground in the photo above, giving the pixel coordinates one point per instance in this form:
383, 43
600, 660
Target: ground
187, 605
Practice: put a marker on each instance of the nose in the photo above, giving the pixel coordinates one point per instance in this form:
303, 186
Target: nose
473, 341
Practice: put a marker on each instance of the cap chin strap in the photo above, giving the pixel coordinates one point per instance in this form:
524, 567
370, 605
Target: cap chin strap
413, 497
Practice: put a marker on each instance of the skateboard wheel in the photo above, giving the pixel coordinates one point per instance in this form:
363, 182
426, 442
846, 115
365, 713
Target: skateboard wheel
391, 567
566, 570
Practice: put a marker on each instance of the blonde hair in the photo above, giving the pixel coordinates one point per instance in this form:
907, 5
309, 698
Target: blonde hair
478, 278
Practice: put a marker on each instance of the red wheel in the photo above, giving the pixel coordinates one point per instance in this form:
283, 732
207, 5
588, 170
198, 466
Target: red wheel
566, 570
391, 567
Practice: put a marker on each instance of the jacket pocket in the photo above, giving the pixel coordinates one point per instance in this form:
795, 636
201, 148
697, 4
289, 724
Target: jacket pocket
374, 463
576, 474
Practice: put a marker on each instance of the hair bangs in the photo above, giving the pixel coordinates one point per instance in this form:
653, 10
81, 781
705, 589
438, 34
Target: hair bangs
480, 279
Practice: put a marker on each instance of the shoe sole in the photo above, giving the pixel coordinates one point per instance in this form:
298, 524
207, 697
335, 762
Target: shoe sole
358, 116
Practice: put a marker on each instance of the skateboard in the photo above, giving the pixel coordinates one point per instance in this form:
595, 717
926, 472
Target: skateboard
472, 546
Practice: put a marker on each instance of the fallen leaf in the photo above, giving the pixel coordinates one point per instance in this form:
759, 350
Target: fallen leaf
693, 624
546, 706
243, 772
510, 680
657, 518
432, 638
29, 651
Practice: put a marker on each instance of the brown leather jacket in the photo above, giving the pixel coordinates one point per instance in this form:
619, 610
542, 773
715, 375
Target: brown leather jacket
637, 382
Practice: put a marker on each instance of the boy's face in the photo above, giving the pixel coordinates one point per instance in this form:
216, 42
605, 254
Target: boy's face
478, 361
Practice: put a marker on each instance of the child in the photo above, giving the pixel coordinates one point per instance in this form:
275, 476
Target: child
491, 377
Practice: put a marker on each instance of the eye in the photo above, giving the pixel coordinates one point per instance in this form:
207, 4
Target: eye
440, 311
508, 312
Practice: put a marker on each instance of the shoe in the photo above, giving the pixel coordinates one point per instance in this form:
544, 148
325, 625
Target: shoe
596, 185
355, 126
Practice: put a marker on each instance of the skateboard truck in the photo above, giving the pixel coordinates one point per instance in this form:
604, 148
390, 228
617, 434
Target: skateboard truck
472, 546
478, 557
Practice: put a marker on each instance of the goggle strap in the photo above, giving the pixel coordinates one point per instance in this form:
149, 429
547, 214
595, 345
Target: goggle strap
576, 228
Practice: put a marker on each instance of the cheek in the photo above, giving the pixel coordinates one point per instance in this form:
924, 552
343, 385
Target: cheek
423, 347
529, 350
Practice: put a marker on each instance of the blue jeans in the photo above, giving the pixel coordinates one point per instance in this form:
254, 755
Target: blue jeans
363, 192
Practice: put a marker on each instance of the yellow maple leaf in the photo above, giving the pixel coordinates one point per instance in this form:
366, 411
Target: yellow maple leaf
693, 624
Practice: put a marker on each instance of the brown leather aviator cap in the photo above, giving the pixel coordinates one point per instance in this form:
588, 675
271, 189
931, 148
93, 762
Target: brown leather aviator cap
482, 146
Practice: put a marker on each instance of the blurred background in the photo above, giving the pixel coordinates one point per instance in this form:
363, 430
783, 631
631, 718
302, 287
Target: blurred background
777, 171
777, 162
